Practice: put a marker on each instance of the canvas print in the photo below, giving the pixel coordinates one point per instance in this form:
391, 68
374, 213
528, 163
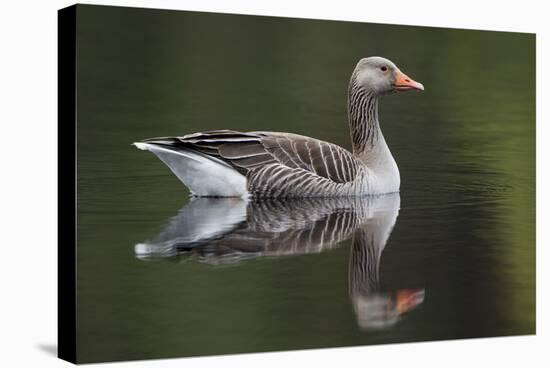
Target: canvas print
248, 183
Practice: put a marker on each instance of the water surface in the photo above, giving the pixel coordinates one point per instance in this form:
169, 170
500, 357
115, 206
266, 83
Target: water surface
452, 256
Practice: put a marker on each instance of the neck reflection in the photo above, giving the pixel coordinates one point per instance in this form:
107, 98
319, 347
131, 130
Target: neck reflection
230, 230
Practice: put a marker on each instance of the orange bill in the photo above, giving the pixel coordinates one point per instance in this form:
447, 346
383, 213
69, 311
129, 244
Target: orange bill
405, 83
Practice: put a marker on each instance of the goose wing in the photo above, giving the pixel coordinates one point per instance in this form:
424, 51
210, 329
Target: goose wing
254, 150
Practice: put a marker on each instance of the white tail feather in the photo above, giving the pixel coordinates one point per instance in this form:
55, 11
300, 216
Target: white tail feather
204, 176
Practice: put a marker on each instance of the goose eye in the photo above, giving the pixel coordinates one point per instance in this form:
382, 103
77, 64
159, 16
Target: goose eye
383, 68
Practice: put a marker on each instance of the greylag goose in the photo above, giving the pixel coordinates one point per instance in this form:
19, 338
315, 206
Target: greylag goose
227, 163
232, 230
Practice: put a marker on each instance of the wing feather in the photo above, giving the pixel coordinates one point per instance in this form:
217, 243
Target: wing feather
249, 151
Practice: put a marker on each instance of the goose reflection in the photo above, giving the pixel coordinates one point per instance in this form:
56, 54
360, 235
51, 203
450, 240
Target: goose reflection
229, 230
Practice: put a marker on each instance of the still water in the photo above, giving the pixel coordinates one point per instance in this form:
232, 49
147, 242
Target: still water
163, 275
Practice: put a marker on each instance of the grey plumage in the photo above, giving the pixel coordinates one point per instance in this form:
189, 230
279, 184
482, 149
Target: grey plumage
276, 164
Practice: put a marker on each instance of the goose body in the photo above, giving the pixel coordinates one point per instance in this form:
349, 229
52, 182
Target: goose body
227, 163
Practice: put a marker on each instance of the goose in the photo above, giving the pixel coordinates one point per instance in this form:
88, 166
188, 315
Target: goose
228, 163
222, 231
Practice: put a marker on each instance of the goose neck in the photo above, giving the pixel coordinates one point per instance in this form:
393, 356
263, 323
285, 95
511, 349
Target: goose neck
363, 119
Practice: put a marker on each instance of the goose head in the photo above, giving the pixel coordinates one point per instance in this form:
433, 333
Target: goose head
382, 76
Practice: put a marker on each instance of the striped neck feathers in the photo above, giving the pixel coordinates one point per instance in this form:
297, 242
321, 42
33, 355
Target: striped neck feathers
363, 118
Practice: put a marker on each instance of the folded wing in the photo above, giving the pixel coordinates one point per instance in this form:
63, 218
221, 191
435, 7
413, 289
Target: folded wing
253, 151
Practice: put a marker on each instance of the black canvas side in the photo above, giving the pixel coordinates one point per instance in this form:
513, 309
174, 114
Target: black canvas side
66, 187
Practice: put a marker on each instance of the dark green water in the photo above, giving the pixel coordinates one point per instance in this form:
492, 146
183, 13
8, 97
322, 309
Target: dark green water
464, 235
